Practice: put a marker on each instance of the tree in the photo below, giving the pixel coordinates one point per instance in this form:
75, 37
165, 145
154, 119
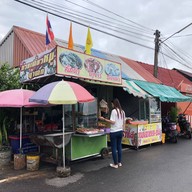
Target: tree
9, 78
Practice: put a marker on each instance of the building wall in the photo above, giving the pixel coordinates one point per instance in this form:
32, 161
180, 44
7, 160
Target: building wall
6, 50
186, 108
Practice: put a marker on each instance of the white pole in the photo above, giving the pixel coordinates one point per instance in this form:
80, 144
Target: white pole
21, 128
63, 137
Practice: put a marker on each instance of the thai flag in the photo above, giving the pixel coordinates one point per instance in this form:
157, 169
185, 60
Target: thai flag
49, 32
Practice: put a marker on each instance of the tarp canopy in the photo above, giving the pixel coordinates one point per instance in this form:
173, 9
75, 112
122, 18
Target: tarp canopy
127, 85
134, 89
163, 92
102, 83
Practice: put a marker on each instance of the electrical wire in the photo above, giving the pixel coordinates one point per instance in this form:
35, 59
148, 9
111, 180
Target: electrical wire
174, 56
96, 22
90, 18
179, 56
140, 26
166, 66
177, 32
178, 36
187, 55
80, 23
113, 13
77, 18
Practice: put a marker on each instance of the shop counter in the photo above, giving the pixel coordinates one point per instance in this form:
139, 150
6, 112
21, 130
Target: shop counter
51, 139
82, 146
77, 145
141, 133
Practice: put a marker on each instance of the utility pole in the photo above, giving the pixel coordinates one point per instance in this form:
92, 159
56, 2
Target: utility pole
157, 35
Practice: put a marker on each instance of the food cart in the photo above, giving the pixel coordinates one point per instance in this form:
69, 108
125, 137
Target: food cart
143, 132
82, 137
87, 145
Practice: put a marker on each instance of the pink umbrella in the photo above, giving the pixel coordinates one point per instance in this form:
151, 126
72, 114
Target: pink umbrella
17, 98
62, 92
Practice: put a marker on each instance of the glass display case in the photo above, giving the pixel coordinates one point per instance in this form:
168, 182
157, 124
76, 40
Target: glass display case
87, 115
150, 110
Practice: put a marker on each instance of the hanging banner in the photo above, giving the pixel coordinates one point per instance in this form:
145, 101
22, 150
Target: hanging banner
41, 65
75, 64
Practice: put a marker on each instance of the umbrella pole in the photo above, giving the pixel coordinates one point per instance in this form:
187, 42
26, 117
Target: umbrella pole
21, 128
63, 136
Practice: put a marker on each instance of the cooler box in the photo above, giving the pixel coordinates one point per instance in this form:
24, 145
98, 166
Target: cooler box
27, 146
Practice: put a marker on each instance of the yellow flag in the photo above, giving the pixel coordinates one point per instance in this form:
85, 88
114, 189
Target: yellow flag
89, 43
70, 41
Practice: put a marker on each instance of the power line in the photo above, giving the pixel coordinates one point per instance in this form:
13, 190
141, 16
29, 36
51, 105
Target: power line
166, 66
177, 55
110, 25
177, 32
181, 51
76, 18
96, 5
178, 36
79, 23
74, 12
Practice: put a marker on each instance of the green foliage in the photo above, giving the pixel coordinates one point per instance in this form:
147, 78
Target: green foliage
3, 132
9, 78
174, 113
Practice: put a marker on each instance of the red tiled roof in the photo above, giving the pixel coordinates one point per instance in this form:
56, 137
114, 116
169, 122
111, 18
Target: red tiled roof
141, 70
167, 76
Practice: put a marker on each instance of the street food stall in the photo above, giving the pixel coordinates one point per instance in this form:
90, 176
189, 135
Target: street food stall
148, 130
83, 140
94, 73
81, 119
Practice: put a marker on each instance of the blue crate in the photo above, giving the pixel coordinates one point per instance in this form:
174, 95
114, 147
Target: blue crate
27, 146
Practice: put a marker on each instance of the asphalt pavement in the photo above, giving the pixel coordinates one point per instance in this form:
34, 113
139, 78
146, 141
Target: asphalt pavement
156, 168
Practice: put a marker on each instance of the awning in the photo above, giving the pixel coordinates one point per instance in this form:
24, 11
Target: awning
163, 92
102, 83
127, 85
134, 89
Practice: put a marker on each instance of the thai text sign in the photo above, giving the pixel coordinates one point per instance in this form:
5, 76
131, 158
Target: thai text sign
41, 65
138, 135
130, 135
149, 133
75, 64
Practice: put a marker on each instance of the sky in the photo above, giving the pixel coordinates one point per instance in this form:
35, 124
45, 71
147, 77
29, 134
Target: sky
167, 16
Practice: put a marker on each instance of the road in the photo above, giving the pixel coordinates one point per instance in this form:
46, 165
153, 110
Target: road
157, 168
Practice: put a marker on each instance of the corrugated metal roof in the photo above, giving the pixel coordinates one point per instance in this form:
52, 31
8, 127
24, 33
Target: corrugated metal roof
185, 73
141, 71
34, 43
167, 76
